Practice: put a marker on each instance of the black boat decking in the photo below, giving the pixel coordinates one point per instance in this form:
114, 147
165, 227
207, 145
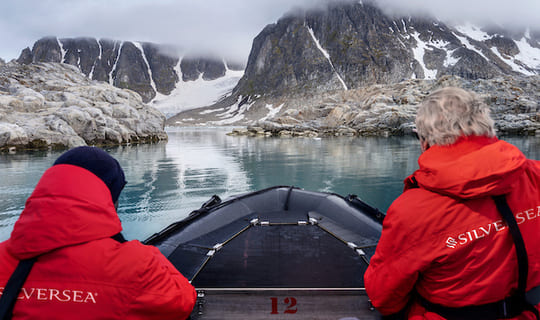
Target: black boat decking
276, 251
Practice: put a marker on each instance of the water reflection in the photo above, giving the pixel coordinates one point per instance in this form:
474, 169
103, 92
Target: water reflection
367, 167
19, 175
166, 181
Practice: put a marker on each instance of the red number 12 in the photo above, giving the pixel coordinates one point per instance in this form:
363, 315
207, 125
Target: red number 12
289, 301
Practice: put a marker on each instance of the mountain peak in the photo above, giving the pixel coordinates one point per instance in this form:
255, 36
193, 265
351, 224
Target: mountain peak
149, 69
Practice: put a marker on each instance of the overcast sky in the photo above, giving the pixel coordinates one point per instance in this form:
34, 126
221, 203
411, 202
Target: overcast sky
225, 26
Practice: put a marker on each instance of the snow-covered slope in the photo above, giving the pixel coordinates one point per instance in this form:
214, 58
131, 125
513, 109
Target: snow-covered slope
526, 61
195, 94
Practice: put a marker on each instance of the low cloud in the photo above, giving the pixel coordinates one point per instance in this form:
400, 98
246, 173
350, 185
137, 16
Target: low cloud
224, 27
510, 14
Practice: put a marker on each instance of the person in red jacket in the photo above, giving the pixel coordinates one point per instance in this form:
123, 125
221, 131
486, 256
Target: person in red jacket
444, 242
84, 268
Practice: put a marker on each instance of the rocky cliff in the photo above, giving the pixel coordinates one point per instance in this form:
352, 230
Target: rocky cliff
145, 68
53, 105
351, 45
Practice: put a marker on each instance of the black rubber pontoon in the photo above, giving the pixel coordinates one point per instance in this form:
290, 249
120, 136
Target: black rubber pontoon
279, 250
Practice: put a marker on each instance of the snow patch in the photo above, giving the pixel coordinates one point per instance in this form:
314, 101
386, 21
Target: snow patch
234, 109
473, 32
419, 53
62, 51
272, 111
185, 119
404, 25
528, 54
449, 60
100, 50
111, 80
233, 114
516, 63
420, 50
211, 111
237, 117
470, 46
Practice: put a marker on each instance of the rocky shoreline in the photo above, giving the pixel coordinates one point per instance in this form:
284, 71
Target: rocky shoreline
53, 105
389, 110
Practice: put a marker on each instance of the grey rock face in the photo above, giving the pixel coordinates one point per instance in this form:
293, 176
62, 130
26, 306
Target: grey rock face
471, 65
210, 69
162, 67
81, 53
54, 105
132, 72
354, 44
506, 46
106, 61
145, 68
47, 50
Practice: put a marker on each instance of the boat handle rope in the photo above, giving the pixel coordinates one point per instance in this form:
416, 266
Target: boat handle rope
257, 222
216, 248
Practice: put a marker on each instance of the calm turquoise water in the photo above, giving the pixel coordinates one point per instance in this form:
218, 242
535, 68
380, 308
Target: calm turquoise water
166, 181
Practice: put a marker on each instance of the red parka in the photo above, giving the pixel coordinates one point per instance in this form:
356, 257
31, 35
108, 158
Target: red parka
80, 272
444, 237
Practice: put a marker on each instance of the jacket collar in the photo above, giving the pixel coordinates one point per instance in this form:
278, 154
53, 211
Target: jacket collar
472, 167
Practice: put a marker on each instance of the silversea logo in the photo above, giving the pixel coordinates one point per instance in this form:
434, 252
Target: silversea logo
491, 228
51, 294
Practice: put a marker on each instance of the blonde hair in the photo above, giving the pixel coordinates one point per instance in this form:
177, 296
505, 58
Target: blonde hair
449, 113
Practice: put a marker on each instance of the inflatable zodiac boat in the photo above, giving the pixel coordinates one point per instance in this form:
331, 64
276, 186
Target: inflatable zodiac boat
277, 253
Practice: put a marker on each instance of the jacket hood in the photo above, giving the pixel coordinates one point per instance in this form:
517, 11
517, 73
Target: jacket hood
472, 167
70, 205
